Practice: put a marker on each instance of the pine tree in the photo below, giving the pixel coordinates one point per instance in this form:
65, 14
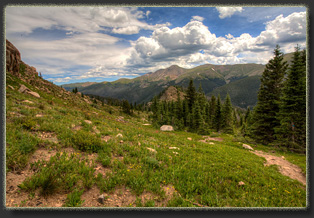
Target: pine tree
227, 119
218, 115
191, 95
126, 107
292, 114
212, 109
197, 117
269, 94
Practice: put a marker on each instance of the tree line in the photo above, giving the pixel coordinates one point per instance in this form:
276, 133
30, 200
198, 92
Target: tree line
279, 118
195, 112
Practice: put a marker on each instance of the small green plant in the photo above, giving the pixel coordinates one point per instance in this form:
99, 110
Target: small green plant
149, 203
104, 158
62, 172
74, 199
86, 141
152, 162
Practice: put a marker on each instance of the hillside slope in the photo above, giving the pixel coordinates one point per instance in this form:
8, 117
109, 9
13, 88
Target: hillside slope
63, 150
144, 88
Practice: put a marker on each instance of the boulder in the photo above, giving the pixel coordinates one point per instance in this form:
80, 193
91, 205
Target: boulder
35, 94
88, 121
152, 150
247, 147
119, 135
166, 128
23, 89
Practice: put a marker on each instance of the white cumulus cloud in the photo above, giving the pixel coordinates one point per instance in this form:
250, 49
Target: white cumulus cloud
228, 11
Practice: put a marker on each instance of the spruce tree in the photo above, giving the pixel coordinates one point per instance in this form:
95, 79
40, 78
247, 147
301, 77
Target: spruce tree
227, 118
191, 95
292, 114
212, 109
218, 115
267, 108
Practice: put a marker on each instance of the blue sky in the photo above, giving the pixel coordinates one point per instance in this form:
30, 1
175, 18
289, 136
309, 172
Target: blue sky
78, 44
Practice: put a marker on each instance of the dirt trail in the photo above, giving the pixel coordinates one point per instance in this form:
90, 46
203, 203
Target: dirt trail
285, 167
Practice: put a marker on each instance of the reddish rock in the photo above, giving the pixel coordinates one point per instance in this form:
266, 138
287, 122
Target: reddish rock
13, 58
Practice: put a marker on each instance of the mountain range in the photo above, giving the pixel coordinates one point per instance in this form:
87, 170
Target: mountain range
241, 81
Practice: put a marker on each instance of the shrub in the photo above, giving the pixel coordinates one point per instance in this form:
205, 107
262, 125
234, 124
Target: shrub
86, 141
74, 199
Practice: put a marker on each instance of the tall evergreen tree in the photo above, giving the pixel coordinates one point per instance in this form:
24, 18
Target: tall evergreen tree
212, 109
292, 113
218, 115
267, 108
227, 119
191, 94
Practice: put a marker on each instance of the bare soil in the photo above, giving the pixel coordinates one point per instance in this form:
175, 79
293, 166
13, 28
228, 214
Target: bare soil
285, 167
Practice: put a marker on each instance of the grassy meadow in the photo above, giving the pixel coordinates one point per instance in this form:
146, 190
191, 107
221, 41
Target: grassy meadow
134, 156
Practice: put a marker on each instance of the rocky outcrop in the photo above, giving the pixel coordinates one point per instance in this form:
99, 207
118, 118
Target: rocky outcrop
24, 89
13, 58
166, 128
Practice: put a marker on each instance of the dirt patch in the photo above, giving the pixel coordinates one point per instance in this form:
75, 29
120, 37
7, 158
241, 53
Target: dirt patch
207, 138
50, 136
285, 167
42, 154
106, 138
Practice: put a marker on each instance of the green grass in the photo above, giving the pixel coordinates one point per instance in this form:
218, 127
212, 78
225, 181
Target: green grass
200, 173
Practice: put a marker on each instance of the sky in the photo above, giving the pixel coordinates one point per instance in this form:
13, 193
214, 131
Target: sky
79, 44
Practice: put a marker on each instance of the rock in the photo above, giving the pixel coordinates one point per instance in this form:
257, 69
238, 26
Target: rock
88, 121
27, 101
96, 130
121, 141
119, 135
152, 150
146, 124
39, 115
241, 183
23, 89
189, 138
101, 199
35, 94
166, 128
211, 143
174, 148
13, 58
247, 147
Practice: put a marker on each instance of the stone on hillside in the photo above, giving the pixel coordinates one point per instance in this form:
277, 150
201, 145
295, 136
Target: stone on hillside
189, 138
35, 94
27, 101
96, 130
146, 124
23, 89
174, 148
166, 128
241, 183
211, 143
88, 121
101, 199
39, 115
119, 135
152, 150
247, 147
